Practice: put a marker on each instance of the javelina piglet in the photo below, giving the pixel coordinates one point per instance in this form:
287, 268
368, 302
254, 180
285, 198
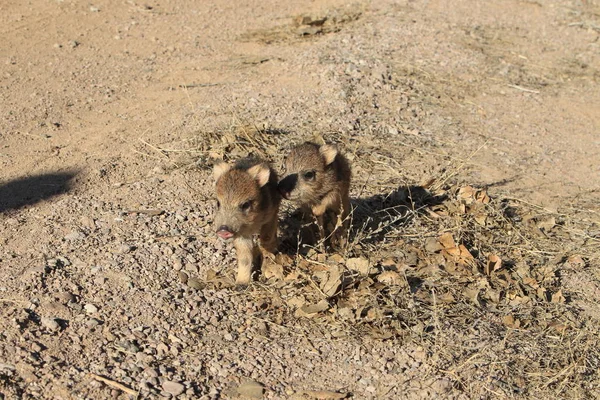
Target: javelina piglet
318, 178
247, 204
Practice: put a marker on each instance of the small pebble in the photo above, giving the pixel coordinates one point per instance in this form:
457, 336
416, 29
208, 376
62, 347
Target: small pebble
90, 308
174, 388
50, 324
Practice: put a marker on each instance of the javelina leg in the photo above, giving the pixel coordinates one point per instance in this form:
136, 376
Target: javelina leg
342, 228
268, 235
246, 255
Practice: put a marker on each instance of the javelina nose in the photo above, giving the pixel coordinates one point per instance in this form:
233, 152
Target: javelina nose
287, 184
224, 232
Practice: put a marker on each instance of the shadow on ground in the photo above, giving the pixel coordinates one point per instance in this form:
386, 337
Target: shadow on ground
32, 189
371, 219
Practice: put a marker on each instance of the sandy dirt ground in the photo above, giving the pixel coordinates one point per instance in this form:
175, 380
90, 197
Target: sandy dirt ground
472, 270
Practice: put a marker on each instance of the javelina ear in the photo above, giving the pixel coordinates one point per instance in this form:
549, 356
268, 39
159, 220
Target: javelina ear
328, 151
219, 169
261, 173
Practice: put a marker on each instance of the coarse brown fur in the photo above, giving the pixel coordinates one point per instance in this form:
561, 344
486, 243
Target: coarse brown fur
247, 204
318, 177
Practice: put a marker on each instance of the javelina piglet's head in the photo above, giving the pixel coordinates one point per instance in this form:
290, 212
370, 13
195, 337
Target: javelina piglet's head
241, 200
309, 173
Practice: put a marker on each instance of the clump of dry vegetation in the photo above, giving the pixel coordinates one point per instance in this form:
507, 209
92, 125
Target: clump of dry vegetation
475, 280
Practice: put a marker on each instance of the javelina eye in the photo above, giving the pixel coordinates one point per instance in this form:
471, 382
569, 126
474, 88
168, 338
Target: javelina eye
309, 176
246, 205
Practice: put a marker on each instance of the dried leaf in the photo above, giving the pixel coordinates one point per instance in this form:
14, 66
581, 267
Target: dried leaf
576, 261
283, 259
545, 224
447, 298
558, 297
447, 241
359, 264
511, 322
271, 269
480, 219
389, 278
472, 294
494, 263
311, 309
333, 279
296, 301
531, 282
482, 197
336, 258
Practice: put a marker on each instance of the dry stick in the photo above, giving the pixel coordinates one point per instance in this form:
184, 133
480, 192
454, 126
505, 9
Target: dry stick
114, 384
524, 89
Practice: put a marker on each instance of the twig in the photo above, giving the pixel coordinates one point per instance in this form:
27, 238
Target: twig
114, 384
521, 88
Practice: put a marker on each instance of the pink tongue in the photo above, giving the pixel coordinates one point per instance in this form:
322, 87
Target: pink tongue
225, 234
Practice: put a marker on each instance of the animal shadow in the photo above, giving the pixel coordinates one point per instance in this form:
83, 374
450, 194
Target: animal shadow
32, 189
371, 218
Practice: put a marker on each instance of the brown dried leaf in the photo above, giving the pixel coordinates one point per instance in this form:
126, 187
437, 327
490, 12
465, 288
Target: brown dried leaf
480, 219
447, 241
546, 223
389, 278
293, 276
336, 258
283, 259
359, 264
311, 309
271, 269
296, 301
558, 297
466, 192
332, 281
494, 263
576, 260
472, 294
511, 322
482, 197
531, 282
447, 298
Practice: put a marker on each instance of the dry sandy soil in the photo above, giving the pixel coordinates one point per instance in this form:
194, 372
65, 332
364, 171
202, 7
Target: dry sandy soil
472, 271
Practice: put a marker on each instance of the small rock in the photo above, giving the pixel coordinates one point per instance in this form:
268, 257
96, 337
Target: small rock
251, 389
90, 308
75, 235
174, 388
195, 283
73, 43
183, 277
50, 324
432, 245
123, 249
36, 347
66, 297
92, 323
